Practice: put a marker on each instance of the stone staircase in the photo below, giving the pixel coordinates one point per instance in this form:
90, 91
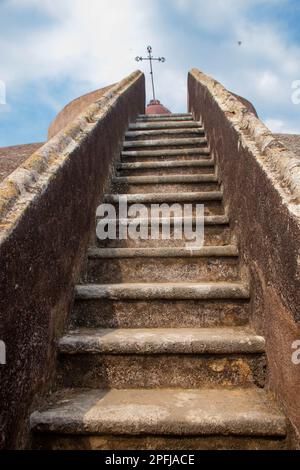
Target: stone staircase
160, 353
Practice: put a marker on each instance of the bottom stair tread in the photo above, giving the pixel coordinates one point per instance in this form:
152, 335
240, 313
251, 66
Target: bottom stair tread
180, 412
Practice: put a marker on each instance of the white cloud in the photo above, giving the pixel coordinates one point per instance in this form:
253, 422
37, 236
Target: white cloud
219, 15
92, 43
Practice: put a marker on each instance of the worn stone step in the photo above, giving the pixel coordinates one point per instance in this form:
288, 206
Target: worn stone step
150, 117
156, 341
170, 252
160, 419
216, 232
164, 291
209, 221
172, 118
164, 184
166, 198
211, 200
157, 313
163, 188
162, 264
168, 171
167, 142
166, 165
164, 168
144, 125
165, 133
178, 153
159, 358
175, 179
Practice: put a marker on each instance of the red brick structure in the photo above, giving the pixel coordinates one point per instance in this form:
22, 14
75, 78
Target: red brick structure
155, 107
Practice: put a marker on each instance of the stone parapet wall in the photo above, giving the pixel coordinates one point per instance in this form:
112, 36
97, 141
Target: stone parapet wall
47, 216
262, 188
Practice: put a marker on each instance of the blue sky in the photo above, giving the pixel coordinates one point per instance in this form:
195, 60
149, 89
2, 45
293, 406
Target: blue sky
55, 50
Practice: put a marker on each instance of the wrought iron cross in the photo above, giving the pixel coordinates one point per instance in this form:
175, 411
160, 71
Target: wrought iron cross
150, 58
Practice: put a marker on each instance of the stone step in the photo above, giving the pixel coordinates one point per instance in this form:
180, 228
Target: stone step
156, 341
164, 184
165, 165
159, 358
216, 232
162, 125
214, 220
168, 171
165, 133
164, 168
178, 153
107, 313
211, 200
150, 117
169, 198
175, 179
160, 419
167, 142
171, 118
163, 188
206, 251
162, 265
163, 291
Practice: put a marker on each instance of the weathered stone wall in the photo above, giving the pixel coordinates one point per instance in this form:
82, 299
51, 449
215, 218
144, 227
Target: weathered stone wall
262, 188
47, 214
73, 109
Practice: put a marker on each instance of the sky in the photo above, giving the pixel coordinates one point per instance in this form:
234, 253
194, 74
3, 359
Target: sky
52, 51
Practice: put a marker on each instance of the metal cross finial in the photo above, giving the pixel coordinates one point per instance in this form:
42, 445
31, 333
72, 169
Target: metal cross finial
150, 58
